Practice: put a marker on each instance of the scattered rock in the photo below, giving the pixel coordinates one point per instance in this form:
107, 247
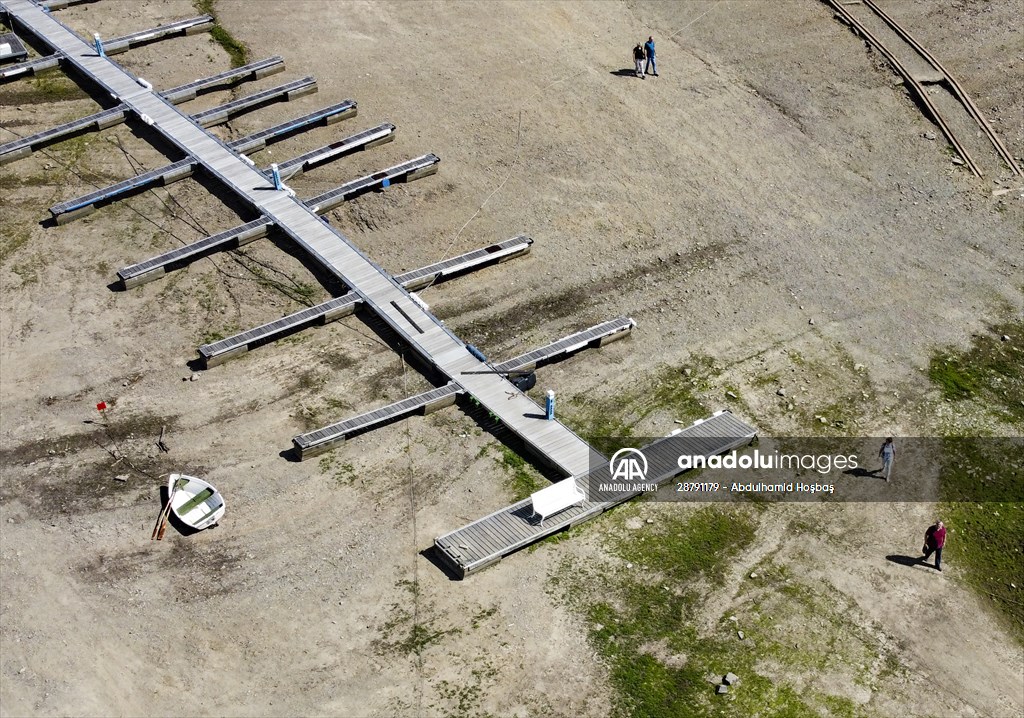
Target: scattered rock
733, 619
858, 367
930, 136
722, 689
650, 521
194, 377
23, 669
753, 574
731, 679
1005, 338
781, 392
687, 371
811, 321
731, 395
740, 635
629, 565
822, 420
957, 161
121, 477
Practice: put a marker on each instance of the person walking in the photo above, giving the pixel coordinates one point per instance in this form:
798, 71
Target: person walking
652, 64
934, 540
887, 454
638, 60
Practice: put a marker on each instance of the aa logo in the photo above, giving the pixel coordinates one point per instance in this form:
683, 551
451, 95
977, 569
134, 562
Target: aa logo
628, 465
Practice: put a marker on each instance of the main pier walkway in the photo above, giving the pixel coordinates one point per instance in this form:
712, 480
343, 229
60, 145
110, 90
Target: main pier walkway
377, 289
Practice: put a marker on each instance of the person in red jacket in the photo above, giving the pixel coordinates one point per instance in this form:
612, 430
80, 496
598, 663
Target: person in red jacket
934, 540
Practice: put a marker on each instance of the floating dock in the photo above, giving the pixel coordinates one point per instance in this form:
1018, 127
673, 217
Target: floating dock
281, 93
220, 351
24, 146
328, 437
79, 207
488, 540
157, 266
379, 292
11, 48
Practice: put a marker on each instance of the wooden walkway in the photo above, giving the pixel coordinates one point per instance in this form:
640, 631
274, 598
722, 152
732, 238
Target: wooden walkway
168, 174
320, 440
487, 540
378, 290
220, 351
24, 146
155, 267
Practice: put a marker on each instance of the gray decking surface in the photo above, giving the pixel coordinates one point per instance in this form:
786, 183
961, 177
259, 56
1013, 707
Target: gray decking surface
219, 351
136, 274
378, 290
183, 168
318, 440
23, 146
482, 542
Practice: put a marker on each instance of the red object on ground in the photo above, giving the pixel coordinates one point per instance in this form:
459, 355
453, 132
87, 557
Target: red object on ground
101, 406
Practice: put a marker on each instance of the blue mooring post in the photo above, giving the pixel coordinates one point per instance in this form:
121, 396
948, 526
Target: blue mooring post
277, 176
549, 406
99, 44
476, 352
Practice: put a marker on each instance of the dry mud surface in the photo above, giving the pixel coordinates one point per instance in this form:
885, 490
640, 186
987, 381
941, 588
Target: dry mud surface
770, 195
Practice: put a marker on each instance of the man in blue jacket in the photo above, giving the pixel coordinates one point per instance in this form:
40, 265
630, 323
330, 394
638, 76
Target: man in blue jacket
652, 64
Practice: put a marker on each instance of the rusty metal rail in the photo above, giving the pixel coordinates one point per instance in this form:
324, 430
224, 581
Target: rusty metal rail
910, 81
954, 85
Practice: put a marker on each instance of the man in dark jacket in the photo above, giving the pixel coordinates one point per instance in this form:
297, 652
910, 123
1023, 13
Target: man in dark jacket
934, 540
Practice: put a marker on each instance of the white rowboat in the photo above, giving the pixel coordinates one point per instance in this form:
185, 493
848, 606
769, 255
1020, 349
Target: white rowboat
195, 502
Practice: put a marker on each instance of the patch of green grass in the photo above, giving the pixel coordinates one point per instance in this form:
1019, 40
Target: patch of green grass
609, 424
982, 483
642, 611
235, 49
633, 608
407, 632
343, 473
48, 86
765, 379
11, 241
482, 615
990, 373
982, 479
209, 337
28, 271
521, 478
462, 700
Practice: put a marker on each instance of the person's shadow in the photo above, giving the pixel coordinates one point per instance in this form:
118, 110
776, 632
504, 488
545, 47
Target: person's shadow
862, 473
905, 560
628, 72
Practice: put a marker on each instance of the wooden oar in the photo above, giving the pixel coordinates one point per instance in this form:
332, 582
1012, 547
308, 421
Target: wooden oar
161, 522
